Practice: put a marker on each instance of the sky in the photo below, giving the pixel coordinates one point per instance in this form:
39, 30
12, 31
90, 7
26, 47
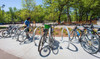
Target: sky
14, 3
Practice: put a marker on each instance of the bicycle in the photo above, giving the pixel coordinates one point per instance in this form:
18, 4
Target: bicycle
22, 35
8, 31
16, 32
88, 38
32, 35
0, 34
43, 40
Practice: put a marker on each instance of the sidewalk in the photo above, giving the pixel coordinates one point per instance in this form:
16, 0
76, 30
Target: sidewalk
5, 55
30, 51
58, 26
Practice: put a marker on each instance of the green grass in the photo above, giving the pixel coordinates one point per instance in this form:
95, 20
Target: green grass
3, 27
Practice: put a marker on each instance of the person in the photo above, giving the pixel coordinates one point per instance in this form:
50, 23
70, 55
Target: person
27, 25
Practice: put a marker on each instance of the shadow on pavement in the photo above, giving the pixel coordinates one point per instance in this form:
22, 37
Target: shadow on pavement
95, 56
0, 37
55, 49
28, 41
46, 50
75, 49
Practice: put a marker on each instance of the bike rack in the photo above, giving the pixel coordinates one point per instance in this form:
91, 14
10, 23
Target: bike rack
69, 42
35, 32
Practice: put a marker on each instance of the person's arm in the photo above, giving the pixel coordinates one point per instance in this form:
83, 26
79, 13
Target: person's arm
24, 25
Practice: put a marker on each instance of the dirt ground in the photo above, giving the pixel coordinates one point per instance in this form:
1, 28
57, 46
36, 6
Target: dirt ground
56, 32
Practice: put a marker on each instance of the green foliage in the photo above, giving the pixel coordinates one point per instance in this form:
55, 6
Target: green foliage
28, 4
70, 29
64, 10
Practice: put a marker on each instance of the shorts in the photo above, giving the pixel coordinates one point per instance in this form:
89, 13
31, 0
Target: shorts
27, 30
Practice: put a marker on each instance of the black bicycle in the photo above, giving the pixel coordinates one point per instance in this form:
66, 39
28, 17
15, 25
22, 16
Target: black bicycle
87, 37
48, 28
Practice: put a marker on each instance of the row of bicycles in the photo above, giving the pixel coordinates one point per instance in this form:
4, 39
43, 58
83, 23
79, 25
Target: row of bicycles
18, 33
88, 38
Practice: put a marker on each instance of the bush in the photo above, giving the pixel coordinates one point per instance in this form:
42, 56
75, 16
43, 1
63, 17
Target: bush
70, 29
56, 33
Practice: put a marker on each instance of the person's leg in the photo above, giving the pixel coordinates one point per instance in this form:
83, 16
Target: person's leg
27, 34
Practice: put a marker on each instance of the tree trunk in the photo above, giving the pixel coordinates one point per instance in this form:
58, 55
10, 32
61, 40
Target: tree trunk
86, 16
59, 18
76, 14
61, 9
68, 15
80, 14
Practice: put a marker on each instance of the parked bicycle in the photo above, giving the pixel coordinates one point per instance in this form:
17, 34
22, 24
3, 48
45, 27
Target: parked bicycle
8, 32
32, 35
49, 39
87, 37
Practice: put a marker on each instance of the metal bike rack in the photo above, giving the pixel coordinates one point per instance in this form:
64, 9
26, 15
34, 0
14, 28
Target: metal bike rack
35, 32
69, 42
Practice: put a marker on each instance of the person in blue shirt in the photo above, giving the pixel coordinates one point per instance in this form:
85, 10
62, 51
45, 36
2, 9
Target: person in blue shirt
27, 25
27, 22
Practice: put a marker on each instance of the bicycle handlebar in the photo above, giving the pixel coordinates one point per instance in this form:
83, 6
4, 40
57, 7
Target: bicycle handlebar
89, 26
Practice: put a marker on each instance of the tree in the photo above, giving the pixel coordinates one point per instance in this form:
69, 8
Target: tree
28, 4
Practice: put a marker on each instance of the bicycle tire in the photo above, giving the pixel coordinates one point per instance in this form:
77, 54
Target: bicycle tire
21, 37
46, 50
41, 43
5, 33
88, 50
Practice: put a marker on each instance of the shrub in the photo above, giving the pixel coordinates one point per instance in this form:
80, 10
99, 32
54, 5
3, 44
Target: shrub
70, 29
56, 33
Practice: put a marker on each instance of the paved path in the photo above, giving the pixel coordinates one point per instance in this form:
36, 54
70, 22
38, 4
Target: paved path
5, 55
40, 24
30, 51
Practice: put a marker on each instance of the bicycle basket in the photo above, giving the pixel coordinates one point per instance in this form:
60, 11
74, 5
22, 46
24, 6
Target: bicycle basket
46, 26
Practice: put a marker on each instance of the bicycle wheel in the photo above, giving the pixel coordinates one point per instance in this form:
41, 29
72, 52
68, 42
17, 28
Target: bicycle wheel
41, 43
90, 43
21, 37
13, 33
5, 33
16, 34
45, 51
1, 34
